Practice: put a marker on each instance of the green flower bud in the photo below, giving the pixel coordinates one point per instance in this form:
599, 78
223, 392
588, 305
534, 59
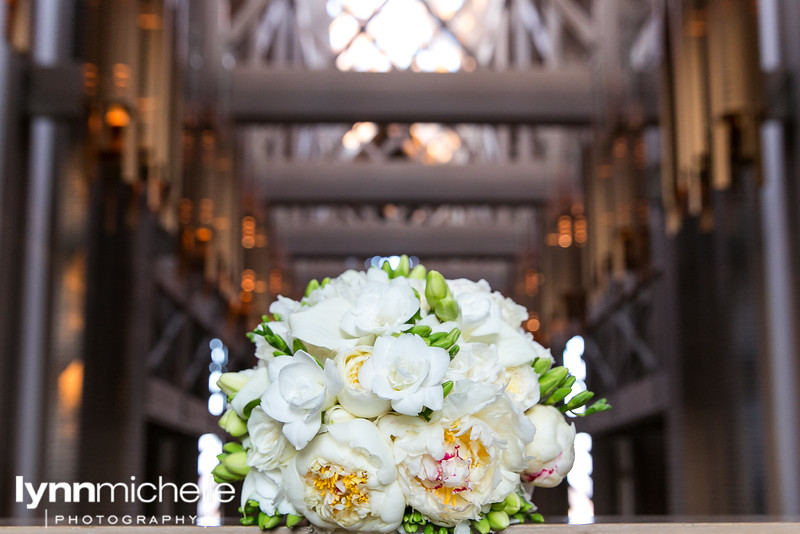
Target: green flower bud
222, 475
248, 520
236, 463
498, 505
482, 526
267, 522
435, 288
429, 529
404, 268
388, 268
541, 365
498, 520
419, 272
512, 503
233, 424
454, 351
325, 282
579, 400
447, 309
447, 341
312, 285
231, 383
410, 527
251, 507
293, 520
558, 395
537, 518
416, 517
232, 446
447, 387
421, 330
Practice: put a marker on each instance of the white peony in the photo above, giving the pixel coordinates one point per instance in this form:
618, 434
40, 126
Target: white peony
346, 478
269, 447
348, 286
407, 372
381, 308
299, 392
466, 458
354, 397
552, 451
337, 414
249, 394
266, 487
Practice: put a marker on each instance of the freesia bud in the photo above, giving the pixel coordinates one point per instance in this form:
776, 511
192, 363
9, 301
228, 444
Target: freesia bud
233, 424
541, 365
404, 267
482, 526
312, 285
512, 504
266, 522
419, 272
498, 520
232, 446
231, 383
447, 309
221, 475
293, 520
236, 463
435, 288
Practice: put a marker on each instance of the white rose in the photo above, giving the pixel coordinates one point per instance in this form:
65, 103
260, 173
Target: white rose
269, 447
467, 457
513, 313
299, 392
521, 385
249, 394
267, 488
354, 397
552, 451
407, 372
346, 478
381, 308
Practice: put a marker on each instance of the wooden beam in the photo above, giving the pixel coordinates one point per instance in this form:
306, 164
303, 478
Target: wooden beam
541, 96
632, 403
176, 409
380, 183
340, 240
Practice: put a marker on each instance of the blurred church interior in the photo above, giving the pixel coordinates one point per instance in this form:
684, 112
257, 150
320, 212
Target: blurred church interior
625, 169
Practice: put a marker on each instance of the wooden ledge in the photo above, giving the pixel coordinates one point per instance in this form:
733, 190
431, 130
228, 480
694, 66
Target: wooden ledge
600, 528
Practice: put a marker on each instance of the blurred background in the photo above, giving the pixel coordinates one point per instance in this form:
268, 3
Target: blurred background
626, 169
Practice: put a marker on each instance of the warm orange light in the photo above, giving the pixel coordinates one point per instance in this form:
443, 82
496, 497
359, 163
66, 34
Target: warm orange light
203, 234
117, 116
533, 325
70, 385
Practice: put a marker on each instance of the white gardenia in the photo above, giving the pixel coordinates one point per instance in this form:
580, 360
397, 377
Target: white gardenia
269, 447
299, 391
382, 307
354, 397
552, 451
267, 488
467, 457
346, 478
407, 372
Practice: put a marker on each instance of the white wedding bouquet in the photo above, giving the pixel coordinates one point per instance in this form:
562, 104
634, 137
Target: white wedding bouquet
396, 400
